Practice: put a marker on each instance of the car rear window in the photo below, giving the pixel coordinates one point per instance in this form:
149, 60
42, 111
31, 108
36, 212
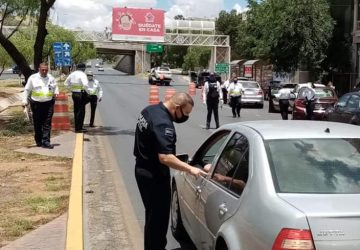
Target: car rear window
253, 85
330, 166
319, 93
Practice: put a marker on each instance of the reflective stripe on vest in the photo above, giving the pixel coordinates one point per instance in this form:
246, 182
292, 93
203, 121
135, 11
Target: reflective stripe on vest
76, 87
42, 94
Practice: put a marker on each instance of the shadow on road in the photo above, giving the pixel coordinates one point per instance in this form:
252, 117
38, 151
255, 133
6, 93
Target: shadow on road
103, 131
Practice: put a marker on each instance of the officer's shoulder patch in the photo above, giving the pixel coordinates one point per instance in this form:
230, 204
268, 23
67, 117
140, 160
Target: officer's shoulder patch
169, 132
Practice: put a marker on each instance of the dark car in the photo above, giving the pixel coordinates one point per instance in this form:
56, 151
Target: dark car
346, 110
324, 98
202, 77
16, 69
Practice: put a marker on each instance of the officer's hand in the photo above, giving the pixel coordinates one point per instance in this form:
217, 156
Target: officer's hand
99, 99
197, 172
25, 103
221, 102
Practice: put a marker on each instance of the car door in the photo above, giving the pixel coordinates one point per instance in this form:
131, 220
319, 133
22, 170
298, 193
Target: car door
336, 114
351, 108
189, 194
220, 193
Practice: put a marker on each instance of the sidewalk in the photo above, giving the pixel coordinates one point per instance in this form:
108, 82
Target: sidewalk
50, 236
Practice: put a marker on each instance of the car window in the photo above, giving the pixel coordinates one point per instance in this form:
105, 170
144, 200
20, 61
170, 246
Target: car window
210, 148
330, 166
231, 170
343, 100
321, 92
164, 69
250, 85
354, 102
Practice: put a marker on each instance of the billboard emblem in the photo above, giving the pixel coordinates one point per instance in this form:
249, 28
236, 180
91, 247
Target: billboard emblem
125, 21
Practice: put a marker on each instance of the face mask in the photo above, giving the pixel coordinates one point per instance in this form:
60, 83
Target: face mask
235, 81
181, 119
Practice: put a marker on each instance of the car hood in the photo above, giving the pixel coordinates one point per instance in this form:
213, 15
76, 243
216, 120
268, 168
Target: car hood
334, 219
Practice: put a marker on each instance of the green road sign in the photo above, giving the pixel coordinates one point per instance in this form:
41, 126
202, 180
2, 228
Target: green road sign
222, 68
154, 48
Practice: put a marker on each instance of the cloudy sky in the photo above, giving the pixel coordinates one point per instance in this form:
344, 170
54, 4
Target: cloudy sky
97, 14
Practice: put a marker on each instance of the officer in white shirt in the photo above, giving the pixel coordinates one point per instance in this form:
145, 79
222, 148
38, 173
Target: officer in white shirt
40, 91
77, 83
309, 94
235, 91
95, 95
284, 96
211, 97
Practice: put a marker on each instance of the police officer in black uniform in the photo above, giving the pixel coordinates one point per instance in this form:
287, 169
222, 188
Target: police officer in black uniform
212, 96
155, 150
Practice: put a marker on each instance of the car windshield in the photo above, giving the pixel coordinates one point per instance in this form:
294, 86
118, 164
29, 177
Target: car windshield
330, 166
164, 69
288, 86
319, 93
252, 85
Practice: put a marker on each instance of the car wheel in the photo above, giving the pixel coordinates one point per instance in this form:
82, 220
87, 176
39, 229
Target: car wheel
177, 227
261, 106
167, 83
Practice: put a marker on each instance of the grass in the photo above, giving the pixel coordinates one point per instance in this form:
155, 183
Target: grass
16, 125
16, 227
55, 184
52, 204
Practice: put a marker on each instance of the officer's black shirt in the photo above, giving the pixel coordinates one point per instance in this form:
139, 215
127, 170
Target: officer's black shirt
155, 133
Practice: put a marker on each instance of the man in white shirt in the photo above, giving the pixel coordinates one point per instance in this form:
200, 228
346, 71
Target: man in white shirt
40, 91
95, 95
284, 96
77, 83
235, 91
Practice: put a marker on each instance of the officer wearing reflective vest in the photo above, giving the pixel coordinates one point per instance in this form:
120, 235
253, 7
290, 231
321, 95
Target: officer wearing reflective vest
95, 95
235, 91
77, 83
40, 91
211, 97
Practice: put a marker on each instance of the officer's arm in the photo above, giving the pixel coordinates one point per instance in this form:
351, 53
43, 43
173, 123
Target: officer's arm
27, 91
67, 82
172, 161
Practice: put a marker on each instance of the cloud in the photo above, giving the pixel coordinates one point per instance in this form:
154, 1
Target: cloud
91, 14
240, 9
195, 8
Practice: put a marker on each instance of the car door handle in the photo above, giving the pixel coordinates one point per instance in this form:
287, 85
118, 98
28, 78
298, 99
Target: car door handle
222, 209
198, 190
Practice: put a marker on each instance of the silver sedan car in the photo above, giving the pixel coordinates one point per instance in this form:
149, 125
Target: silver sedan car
253, 94
272, 185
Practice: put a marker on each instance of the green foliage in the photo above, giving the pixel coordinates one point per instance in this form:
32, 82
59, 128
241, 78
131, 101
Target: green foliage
196, 57
288, 33
175, 55
16, 125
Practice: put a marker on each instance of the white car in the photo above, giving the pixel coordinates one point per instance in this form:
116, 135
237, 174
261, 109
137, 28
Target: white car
253, 94
100, 68
160, 76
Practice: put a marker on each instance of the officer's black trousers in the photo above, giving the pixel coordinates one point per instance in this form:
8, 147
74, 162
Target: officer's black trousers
79, 100
156, 196
93, 103
212, 106
309, 106
235, 103
284, 107
42, 115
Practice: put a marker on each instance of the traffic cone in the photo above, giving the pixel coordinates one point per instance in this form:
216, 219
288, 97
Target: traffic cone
169, 92
60, 119
154, 95
192, 89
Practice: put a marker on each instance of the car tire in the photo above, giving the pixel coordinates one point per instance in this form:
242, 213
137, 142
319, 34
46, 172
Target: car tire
177, 227
167, 83
261, 106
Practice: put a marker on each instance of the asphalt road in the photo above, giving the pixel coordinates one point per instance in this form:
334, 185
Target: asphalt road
124, 98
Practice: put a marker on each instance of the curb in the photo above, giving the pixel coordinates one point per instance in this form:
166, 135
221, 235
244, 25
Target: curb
74, 232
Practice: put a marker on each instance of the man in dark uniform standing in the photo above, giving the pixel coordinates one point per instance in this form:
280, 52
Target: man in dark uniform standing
155, 150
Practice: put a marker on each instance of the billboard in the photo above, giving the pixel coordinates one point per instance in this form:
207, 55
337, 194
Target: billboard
248, 71
144, 25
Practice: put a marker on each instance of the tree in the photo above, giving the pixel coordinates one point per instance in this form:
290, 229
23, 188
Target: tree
20, 10
196, 57
287, 33
229, 24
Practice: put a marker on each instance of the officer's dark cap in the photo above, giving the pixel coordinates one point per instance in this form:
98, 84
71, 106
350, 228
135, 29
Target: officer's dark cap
81, 66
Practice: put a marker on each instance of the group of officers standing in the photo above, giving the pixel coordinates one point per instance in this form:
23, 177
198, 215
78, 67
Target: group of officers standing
41, 90
215, 92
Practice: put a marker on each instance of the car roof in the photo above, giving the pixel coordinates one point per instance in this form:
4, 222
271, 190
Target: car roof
285, 129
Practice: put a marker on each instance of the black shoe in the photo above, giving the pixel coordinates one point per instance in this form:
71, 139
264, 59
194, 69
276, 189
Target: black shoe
234, 116
238, 115
91, 125
49, 146
38, 144
81, 131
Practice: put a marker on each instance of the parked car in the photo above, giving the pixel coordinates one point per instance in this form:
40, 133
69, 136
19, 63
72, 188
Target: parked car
100, 68
274, 97
346, 109
202, 77
160, 76
253, 94
97, 65
272, 185
324, 98
308, 84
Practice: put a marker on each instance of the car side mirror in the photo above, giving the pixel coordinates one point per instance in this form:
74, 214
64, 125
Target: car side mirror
183, 157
